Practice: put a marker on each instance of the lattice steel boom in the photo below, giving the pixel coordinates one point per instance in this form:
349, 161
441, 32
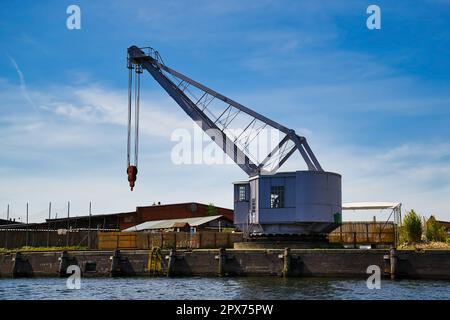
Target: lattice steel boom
179, 86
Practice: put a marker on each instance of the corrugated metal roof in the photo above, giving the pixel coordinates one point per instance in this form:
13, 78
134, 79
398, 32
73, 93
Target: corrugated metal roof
166, 224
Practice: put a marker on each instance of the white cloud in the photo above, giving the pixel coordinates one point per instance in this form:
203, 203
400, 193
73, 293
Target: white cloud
98, 104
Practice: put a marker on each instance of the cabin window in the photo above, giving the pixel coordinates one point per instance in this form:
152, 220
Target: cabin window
242, 193
277, 197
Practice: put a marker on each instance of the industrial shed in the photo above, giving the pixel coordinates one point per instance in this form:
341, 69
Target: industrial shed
211, 223
169, 211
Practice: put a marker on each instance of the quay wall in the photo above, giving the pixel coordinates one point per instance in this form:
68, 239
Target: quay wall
430, 264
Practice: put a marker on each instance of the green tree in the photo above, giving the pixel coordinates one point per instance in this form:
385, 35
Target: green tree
211, 210
434, 231
412, 227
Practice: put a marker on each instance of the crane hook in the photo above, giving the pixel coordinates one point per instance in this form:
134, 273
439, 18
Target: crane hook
132, 173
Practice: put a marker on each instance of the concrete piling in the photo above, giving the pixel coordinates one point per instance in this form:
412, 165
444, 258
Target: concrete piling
286, 262
222, 261
65, 260
393, 256
21, 266
115, 269
121, 265
171, 263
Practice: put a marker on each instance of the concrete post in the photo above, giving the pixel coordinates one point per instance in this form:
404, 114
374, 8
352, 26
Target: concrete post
394, 263
171, 263
115, 264
222, 261
286, 262
63, 263
15, 268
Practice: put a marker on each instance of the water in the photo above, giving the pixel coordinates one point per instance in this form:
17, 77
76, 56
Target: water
221, 288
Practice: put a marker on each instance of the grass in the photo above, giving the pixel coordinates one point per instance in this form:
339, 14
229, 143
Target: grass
426, 245
42, 249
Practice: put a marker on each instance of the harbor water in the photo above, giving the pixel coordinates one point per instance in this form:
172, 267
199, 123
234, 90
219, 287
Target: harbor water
221, 288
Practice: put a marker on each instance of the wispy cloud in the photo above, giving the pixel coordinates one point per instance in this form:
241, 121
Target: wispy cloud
96, 104
23, 85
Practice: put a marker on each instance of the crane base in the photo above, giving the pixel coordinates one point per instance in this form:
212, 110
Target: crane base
316, 241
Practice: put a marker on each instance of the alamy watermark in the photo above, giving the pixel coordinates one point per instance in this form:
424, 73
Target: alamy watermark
374, 280
74, 280
199, 146
73, 21
373, 22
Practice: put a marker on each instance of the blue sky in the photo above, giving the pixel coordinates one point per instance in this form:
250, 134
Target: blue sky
374, 104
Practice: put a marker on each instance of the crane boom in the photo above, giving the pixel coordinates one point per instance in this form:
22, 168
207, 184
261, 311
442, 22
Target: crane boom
236, 147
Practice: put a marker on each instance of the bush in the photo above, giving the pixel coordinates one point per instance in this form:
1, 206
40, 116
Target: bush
435, 232
211, 210
412, 227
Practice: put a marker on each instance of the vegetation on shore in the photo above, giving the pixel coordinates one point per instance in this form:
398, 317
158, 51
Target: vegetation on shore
425, 246
41, 249
418, 232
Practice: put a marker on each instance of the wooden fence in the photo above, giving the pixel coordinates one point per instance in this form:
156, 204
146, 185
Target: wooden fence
375, 233
12, 239
166, 240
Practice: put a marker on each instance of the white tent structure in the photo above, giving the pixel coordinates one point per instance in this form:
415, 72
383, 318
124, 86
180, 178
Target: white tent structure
370, 205
395, 207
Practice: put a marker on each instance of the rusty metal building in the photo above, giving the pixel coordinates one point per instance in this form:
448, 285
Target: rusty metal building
169, 211
123, 220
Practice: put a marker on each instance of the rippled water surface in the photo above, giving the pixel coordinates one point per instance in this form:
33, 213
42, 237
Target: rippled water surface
221, 288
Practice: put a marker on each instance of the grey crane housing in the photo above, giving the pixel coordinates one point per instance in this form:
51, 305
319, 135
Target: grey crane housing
300, 202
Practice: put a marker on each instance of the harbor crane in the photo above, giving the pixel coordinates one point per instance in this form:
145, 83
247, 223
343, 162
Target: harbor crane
270, 202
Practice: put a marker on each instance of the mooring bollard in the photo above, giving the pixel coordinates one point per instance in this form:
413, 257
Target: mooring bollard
286, 262
222, 261
394, 263
171, 263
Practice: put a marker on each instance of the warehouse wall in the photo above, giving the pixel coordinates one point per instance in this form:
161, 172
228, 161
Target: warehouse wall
165, 240
364, 233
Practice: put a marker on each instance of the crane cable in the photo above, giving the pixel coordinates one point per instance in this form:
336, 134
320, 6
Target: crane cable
137, 102
130, 80
132, 168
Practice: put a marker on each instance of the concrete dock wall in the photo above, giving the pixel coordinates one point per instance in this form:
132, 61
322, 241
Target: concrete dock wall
430, 264
291, 263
